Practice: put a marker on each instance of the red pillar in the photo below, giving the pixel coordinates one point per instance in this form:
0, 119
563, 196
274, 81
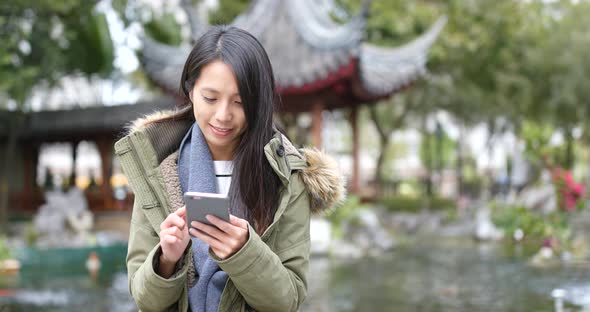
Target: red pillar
30, 158
354, 183
105, 147
316, 123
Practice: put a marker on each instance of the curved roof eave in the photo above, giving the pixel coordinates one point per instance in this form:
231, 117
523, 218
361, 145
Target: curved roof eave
164, 63
385, 70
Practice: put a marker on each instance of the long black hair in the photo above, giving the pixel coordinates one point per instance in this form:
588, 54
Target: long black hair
255, 188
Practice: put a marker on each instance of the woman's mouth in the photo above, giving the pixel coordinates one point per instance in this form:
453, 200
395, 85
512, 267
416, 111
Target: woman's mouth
220, 131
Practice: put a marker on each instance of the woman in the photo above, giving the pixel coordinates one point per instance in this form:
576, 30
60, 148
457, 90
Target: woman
222, 139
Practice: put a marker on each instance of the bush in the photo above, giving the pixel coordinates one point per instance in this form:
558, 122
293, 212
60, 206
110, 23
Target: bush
345, 212
535, 227
415, 204
4, 250
512, 218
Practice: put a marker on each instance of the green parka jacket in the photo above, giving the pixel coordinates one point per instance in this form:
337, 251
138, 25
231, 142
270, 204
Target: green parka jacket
269, 273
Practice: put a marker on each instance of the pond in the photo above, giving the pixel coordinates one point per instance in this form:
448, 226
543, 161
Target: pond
428, 275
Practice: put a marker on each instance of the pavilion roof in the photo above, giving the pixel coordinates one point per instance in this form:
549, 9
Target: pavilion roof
83, 123
309, 51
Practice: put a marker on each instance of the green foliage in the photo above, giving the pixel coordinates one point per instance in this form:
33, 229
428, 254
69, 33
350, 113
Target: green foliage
343, 213
537, 137
4, 250
31, 234
43, 41
227, 11
416, 204
95, 51
538, 150
472, 181
164, 29
536, 227
410, 188
505, 59
441, 148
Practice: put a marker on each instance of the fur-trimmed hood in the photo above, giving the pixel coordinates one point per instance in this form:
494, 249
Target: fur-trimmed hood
323, 180
321, 176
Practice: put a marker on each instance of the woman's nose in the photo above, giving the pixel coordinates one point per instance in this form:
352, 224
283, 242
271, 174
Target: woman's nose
223, 112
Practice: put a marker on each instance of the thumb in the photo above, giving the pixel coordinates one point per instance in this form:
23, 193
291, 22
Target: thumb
238, 221
181, 212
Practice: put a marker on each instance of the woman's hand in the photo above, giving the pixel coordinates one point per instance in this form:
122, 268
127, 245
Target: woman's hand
174, 238
225, 239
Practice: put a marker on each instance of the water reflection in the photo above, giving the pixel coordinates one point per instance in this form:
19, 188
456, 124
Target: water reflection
430, 275
67, 291
435, 275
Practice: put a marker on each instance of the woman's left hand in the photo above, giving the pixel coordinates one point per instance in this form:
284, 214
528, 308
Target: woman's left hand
225, 238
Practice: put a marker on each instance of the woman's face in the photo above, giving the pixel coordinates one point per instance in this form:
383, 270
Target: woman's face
218, 109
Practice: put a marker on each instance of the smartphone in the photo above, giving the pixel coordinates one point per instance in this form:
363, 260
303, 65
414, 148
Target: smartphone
198, 205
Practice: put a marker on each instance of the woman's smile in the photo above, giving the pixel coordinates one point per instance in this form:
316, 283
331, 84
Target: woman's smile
220, 131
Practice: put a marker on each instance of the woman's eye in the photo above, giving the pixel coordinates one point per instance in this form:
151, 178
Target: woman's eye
238, 102
208, 100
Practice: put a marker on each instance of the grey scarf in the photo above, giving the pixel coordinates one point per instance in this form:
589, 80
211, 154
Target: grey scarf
197, 174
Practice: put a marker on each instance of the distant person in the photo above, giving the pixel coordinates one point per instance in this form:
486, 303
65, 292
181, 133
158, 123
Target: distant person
222, 139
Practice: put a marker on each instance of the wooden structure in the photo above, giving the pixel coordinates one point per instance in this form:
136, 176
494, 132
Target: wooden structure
319, 64
101, 125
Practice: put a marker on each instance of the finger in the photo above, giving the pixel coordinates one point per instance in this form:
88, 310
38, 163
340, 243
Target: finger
238, 222
175, 231
221, 224
212, 242
210, 230
181, 212
172, 220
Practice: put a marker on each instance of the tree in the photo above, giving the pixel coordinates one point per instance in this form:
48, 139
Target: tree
559, 70
388, 117
43, 41
227, 11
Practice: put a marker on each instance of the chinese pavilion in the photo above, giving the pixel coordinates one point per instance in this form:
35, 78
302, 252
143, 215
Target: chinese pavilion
319, 64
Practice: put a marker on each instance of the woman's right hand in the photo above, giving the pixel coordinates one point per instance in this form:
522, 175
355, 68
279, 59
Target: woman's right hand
174, 238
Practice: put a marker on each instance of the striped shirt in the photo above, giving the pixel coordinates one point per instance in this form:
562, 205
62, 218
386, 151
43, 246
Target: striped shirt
223, 170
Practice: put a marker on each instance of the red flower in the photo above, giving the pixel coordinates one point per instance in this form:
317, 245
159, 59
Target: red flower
569, 191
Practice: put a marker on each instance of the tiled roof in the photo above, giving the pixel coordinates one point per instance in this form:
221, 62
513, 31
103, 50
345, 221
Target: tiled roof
386, 70
82, 122
305, 45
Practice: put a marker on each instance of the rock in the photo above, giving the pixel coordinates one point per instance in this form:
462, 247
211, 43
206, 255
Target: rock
541, 198
544, 258
485, 230
64, 220
368, 233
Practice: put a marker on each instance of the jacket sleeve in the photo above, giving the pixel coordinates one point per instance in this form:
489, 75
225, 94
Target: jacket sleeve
150, 291
271, 281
